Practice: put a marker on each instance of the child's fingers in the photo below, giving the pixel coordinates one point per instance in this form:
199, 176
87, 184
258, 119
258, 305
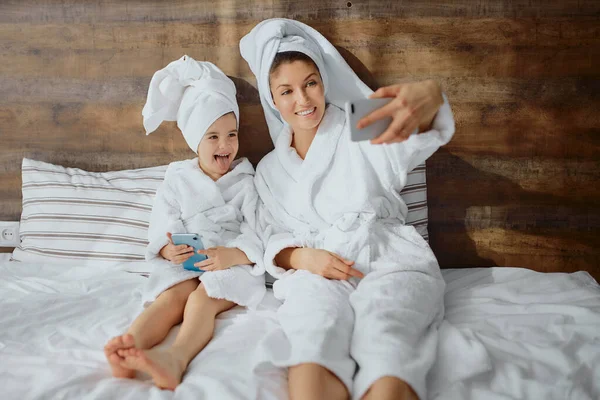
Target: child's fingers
205, 265
183, 248
181, 258
210, 253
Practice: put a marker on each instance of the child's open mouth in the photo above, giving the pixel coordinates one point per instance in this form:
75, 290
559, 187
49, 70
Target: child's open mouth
222, 160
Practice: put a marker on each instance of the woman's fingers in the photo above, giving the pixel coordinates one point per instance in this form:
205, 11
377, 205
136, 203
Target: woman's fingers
169, 235
334, 273
348, 271
398, 129
386, 91
386, 111
345, 266
342, 259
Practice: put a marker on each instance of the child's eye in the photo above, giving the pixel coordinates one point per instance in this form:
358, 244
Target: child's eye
213, 137
232, 134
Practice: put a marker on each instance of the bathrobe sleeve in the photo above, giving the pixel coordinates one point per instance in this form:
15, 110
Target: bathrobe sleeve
277, 229
165, 217
275, 238
249, 240
405, 156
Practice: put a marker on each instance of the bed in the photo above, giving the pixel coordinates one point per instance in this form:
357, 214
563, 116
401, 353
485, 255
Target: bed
73, 80
509, 333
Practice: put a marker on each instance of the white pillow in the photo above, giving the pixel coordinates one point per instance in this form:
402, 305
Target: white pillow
71, 216
415, 197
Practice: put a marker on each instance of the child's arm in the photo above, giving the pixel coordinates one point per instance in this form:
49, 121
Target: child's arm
248, 241
177, 254
165, 219
220, 258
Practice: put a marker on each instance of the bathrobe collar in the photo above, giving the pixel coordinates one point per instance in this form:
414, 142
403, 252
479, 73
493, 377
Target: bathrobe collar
321, 151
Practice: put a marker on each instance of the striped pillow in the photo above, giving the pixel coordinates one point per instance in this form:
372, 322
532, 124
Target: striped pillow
415, 197
75, 217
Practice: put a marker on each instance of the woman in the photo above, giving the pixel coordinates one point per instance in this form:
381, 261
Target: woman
359, 287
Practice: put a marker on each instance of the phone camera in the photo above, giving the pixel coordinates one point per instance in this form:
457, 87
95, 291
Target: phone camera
352, 108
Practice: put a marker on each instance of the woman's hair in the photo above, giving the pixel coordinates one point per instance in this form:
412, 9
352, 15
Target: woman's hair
287, 57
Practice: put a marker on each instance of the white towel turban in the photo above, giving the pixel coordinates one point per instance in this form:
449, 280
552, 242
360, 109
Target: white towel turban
277, 35
193, 93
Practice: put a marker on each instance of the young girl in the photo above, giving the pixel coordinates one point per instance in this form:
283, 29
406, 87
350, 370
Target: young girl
212, 196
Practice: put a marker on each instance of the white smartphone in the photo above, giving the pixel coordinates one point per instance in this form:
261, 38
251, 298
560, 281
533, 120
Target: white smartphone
357, 109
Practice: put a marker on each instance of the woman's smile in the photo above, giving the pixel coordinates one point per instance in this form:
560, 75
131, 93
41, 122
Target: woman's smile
309, 112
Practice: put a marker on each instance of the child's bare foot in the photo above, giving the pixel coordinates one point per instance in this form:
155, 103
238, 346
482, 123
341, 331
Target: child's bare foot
165, 369
110, 351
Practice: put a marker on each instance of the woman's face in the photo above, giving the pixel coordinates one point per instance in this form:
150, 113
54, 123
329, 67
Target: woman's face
298, 94
219, 146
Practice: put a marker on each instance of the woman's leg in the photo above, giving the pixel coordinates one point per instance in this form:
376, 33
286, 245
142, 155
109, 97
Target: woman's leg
151, 326
312, 381
390, 388
317, 320
395, 336
167, 366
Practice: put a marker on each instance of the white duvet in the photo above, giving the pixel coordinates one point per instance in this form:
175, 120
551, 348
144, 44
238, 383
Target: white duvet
508, 334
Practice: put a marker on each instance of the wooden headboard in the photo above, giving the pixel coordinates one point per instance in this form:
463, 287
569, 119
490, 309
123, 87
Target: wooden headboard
517, 186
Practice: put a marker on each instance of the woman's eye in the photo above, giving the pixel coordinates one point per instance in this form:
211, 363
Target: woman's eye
311, 83
286, 92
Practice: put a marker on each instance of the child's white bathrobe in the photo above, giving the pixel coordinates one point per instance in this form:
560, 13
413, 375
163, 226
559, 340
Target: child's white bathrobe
223, 213
343, 197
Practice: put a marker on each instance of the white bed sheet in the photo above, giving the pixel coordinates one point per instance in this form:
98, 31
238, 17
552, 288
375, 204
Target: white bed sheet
55, 320
509, 333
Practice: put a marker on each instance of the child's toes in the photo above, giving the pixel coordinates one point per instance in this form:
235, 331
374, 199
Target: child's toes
127, 352
128, 340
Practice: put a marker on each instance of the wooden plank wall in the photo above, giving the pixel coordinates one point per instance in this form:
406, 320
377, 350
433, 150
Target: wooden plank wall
518, 186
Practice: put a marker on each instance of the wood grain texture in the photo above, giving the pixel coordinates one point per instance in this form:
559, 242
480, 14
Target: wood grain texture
517, 186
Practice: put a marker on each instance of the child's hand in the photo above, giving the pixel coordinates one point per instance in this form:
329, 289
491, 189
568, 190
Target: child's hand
176, 253
222, 258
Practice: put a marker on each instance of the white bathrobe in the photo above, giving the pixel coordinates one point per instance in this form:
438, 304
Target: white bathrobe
223, 213
343, 197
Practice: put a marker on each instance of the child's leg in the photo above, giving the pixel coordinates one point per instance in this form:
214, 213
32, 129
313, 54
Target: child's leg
151, 326
167, 366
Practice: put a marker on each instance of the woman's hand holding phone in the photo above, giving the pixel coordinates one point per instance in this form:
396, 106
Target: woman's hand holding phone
413, 107
176, 253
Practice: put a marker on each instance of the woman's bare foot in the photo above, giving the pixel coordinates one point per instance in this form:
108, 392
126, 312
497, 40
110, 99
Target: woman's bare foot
110, 351
165, 369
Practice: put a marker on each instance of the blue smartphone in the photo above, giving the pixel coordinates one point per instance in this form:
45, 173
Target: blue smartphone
193, 240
